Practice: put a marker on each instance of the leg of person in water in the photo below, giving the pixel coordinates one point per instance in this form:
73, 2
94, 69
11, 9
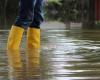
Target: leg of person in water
23, 20
33, 32
33, 43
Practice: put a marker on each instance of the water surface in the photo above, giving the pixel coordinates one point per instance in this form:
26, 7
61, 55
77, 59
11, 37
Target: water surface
65, 55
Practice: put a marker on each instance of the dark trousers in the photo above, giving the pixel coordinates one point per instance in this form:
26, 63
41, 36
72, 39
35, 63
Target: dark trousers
30, 14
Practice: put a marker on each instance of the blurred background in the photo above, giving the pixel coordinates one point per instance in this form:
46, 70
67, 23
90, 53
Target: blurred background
85, 12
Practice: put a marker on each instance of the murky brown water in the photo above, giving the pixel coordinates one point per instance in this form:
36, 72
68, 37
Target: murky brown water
65, 55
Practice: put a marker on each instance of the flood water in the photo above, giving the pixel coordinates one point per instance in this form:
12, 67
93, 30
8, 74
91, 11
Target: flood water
65, 55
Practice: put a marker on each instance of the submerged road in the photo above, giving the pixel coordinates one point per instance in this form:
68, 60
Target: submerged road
66, 54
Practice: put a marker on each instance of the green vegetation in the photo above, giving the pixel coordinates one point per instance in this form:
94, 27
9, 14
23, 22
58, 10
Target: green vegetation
71, 11
64, 10
54, 1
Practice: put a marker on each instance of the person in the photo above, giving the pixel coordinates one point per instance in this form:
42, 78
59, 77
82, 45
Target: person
30, 17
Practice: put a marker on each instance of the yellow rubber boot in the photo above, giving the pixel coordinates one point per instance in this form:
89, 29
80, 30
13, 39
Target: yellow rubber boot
33, 38
14, 38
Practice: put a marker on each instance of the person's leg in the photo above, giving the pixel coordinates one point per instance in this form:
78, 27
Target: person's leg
33, 32
38, 14
26, 13
23, 20
33, 38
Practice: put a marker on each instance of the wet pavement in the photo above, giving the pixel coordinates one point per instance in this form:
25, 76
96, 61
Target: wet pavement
72, 54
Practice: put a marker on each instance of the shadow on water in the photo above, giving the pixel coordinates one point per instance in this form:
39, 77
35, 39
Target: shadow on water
65, 55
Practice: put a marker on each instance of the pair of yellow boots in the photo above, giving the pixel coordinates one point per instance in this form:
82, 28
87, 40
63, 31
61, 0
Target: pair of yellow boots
15, 36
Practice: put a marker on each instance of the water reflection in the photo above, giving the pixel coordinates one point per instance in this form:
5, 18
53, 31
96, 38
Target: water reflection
33, 64
71, 55
20, 71
65, 55
15, 65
